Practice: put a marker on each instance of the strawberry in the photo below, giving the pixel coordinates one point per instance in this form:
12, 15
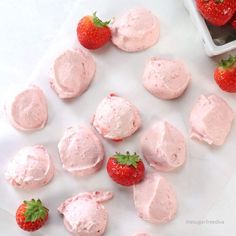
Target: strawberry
217, 12
125, 169
225, 74
93, 33
31, 215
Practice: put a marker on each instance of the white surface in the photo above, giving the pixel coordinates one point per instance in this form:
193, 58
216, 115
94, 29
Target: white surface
27, 29
197, 184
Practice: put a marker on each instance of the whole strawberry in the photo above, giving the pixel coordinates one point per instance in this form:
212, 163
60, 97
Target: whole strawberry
217, 12
225, 74
125, 169
93, 33
31, 215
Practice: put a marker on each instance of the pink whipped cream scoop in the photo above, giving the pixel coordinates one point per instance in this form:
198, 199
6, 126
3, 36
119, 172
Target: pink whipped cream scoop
154, 199
81, 151
135, 30
30, 168
84, 214
116, 118
211, 120
27, 111
72, 73
165, 79
163, 146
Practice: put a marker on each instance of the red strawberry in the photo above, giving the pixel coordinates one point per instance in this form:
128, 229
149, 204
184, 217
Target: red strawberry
31, 215
125, 169
217, 12
92, 32
225, 74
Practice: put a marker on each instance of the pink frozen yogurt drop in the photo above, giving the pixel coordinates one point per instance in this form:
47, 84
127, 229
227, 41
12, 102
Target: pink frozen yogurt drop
116, 118
165, 79
30, 168
160, 204
81, 151
163, 146
135, 30
84, 214
72, 73
211, 120
28, 110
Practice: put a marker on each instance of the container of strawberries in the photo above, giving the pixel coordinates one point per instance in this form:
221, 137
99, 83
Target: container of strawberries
216, 22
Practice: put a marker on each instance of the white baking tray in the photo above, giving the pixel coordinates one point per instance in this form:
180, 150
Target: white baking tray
211, 48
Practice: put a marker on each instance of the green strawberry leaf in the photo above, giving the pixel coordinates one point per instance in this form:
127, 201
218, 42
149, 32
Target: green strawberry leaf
35, 210
228, 63
127, 159
99, 23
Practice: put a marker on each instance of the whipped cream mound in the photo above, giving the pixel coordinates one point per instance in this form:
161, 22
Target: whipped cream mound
116, 118
211, 120
72, 73
81, 151
160, 204
165, 79
135, 30
30, 168
27, 110
163, 146
84, 214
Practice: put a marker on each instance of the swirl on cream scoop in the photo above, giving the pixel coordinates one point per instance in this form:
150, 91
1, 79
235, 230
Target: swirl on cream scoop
72, 73
30, 168
28, 109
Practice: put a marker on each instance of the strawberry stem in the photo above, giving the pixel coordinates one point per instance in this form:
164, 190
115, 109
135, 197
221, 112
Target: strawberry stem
35, 210
99, 23
127, 159
228, 63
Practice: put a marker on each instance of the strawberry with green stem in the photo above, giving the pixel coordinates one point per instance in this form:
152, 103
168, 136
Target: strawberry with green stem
92, 32
225, 74
31, 215
125, 169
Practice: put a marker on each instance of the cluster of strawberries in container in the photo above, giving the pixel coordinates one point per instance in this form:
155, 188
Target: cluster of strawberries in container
221, 13
218, 12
